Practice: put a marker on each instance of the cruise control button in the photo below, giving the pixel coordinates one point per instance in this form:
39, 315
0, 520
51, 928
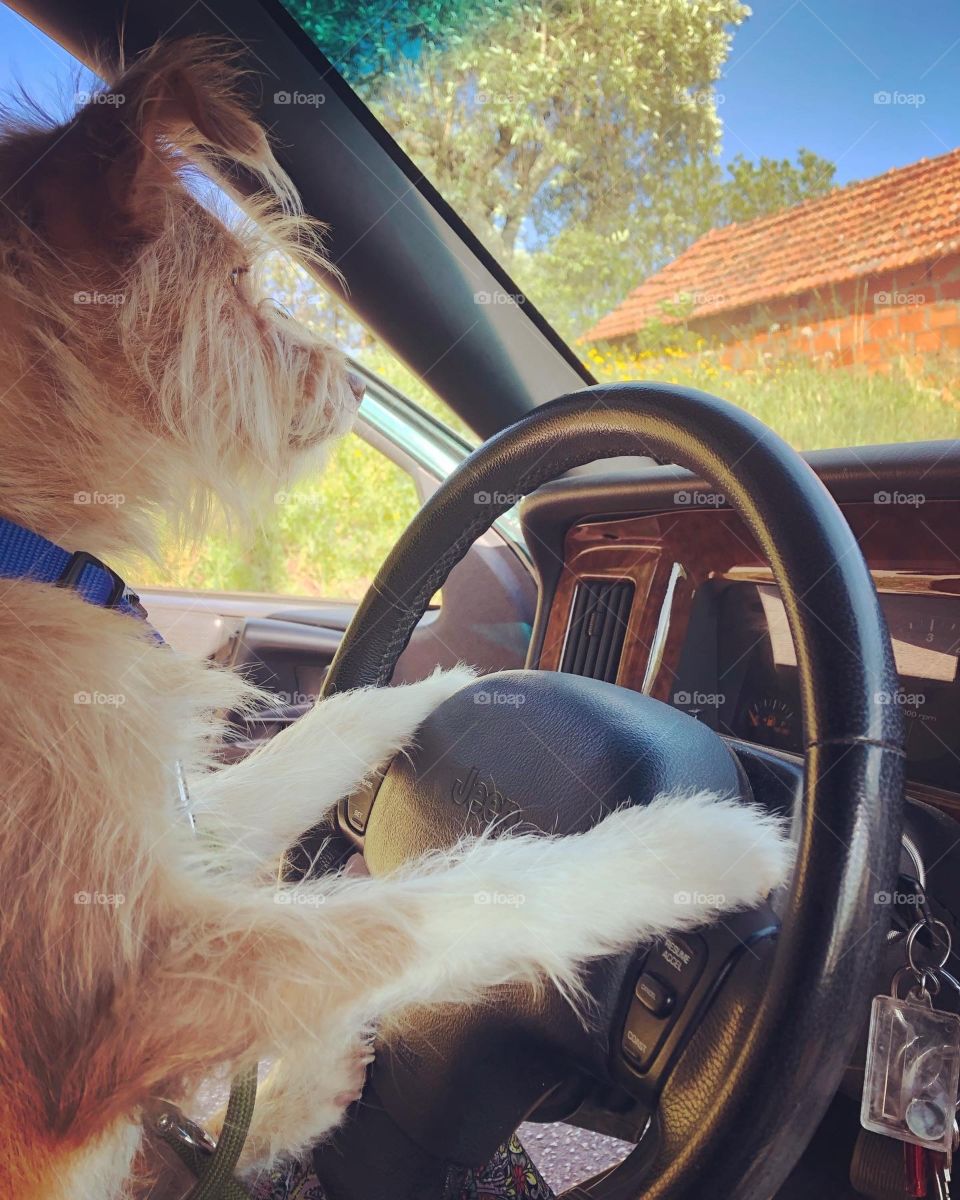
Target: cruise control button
642, 1035
654, 995
679, 961
358, 806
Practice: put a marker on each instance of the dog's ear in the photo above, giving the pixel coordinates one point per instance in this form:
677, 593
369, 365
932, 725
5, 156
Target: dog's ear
181, 96
102, 180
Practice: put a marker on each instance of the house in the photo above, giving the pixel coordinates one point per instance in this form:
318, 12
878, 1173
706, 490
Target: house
869, 273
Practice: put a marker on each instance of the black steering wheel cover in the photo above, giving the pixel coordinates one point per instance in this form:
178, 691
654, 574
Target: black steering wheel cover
752, 1086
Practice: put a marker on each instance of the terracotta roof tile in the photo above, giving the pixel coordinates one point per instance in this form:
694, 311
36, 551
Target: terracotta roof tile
910, 214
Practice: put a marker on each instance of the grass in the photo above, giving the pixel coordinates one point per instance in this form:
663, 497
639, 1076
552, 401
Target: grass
811, 407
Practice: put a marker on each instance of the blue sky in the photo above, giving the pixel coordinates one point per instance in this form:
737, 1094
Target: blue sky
801, 73
807, 73
29, 57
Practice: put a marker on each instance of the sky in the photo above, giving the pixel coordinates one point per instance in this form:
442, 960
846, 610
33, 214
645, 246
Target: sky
868, 84
815, 73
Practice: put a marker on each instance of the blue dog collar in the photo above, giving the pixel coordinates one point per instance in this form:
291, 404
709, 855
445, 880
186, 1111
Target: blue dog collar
27, 555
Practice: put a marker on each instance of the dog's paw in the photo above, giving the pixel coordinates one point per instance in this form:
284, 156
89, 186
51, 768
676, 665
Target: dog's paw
355, 1069
426, 695
379, 722
710, 854
306, 1096
642, 872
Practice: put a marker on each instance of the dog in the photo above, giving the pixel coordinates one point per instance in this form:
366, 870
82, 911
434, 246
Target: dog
140, 358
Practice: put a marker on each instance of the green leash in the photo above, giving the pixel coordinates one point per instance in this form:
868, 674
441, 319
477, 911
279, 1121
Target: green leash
214, 1167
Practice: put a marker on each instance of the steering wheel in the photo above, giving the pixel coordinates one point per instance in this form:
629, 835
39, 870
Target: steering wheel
722, 1089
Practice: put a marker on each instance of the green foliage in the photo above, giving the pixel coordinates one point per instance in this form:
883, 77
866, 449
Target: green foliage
366, 43
560, 122
756, 189
326, 538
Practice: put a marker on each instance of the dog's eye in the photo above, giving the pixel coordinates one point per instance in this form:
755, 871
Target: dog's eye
237, 274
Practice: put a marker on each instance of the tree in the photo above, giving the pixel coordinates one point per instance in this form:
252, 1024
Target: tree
567, 112
755, 189
557, 130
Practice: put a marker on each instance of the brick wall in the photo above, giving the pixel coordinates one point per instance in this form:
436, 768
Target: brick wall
876, 320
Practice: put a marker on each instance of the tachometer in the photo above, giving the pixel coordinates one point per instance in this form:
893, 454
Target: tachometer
936, 632
926, 637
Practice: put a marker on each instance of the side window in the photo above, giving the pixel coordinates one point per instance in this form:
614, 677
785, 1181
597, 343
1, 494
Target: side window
325, 539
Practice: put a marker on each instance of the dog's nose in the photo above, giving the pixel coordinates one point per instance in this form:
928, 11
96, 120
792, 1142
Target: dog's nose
357, 386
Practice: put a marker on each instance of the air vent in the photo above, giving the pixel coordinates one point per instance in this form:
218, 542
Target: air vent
598, 625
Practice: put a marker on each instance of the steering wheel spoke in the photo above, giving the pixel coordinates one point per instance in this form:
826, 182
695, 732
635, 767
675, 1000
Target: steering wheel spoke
669, 992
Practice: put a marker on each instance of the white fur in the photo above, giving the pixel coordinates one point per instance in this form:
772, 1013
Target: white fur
307, 768
100, 1171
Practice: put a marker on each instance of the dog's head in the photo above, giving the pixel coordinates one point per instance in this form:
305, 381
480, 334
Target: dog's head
144, 361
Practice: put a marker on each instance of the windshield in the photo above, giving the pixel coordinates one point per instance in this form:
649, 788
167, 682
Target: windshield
762, 204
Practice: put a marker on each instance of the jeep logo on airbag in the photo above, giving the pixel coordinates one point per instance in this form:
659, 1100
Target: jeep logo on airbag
482, 798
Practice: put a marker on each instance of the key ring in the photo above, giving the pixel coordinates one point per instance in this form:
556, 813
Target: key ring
922, 979
911, 941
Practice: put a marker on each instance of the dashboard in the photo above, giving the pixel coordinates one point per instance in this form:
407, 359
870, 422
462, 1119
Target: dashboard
649, 580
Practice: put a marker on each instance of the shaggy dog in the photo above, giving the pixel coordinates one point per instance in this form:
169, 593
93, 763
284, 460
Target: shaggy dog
139, 358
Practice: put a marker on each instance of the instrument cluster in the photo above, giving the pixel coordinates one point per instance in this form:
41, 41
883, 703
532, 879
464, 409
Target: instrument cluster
738, 672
